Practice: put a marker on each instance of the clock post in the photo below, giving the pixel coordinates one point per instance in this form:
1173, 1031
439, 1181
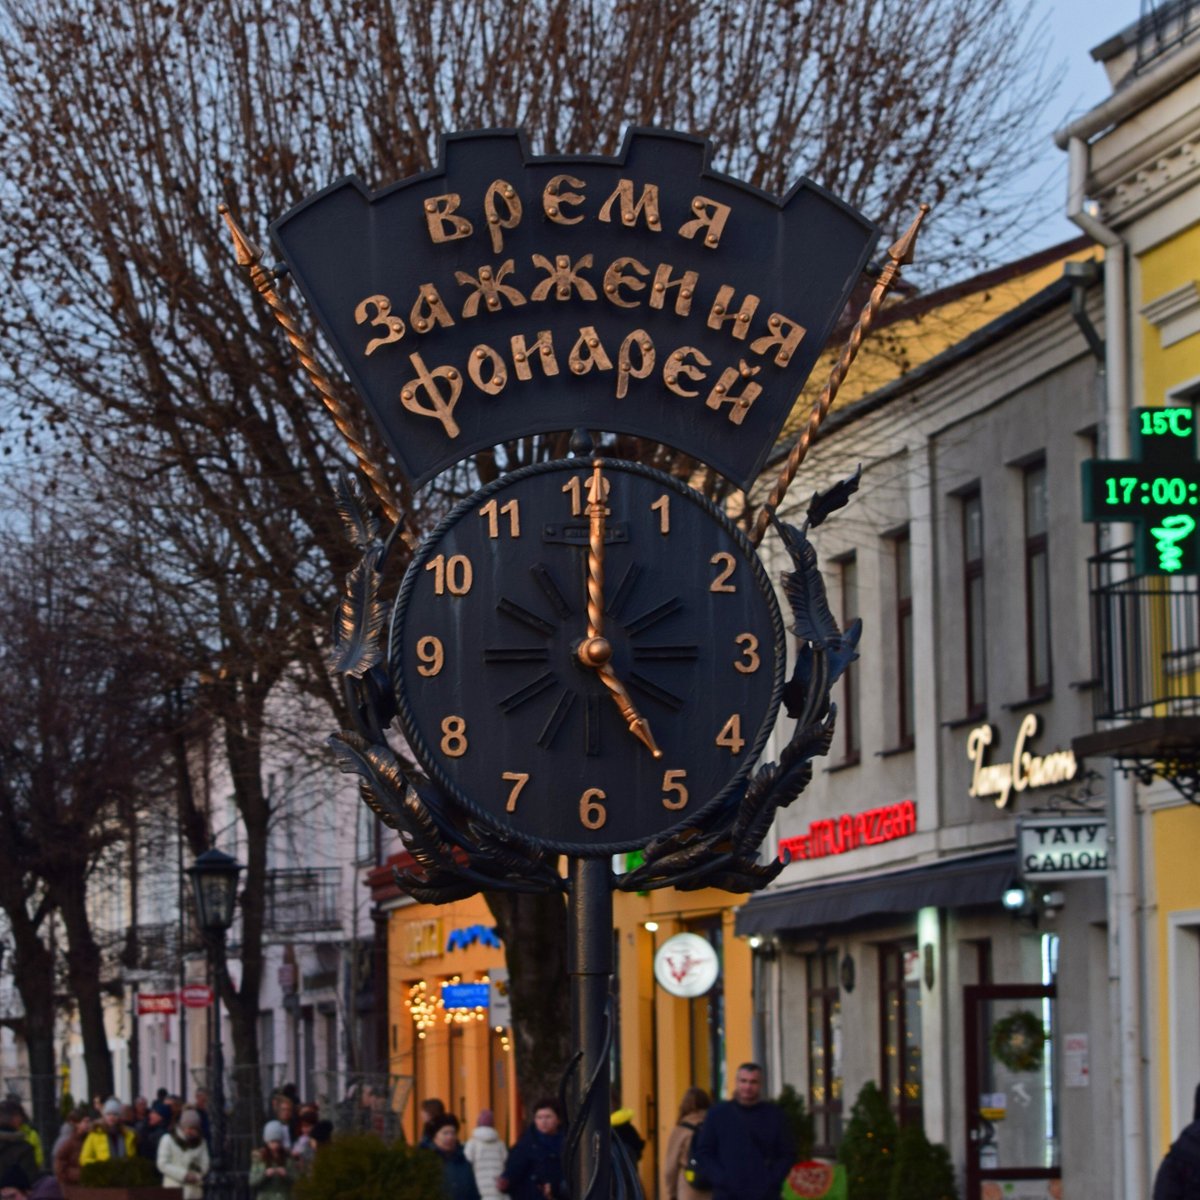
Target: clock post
586, 656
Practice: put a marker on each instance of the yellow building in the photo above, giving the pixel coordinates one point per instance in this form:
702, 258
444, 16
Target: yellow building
1134, 187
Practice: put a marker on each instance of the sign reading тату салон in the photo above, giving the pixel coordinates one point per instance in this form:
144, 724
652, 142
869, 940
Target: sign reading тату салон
1071, 847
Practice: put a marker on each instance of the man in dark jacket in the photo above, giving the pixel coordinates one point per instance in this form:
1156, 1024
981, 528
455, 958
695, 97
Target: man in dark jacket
745, 1147
1178, 1176
15, 1150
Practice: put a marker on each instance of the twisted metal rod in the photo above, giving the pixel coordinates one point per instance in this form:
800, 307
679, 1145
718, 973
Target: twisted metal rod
250, 256
900, 253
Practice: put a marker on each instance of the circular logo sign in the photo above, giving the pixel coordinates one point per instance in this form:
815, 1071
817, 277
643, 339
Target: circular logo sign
686, 965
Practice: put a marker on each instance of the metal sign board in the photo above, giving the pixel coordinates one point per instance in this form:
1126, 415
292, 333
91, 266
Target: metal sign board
502, 294
1074, 847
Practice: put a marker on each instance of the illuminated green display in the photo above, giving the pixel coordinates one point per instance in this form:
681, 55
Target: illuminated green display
1157, 490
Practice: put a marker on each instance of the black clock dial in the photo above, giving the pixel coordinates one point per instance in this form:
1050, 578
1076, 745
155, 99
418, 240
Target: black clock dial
657, 718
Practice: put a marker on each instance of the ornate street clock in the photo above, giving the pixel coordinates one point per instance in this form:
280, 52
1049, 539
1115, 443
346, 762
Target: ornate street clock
587, 655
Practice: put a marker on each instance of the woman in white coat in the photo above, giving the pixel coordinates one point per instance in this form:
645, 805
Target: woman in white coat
183, 1157
486, 1152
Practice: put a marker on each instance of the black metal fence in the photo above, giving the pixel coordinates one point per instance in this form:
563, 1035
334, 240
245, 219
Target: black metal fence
1164, 25
1146, 631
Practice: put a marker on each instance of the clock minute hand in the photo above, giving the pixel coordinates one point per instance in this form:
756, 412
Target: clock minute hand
638, 725
597, 511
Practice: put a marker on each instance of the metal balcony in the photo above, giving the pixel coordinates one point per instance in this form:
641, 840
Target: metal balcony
302, 900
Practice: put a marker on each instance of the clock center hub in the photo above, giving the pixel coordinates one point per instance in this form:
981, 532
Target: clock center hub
595, 651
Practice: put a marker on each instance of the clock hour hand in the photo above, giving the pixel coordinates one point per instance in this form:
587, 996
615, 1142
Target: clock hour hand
638, 725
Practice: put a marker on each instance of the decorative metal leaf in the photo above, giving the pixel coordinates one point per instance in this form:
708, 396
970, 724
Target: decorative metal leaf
824, 503
360, 619
362, 526
805, 590
843, 651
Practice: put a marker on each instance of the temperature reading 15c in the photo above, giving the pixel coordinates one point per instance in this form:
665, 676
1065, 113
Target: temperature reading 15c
1163, 489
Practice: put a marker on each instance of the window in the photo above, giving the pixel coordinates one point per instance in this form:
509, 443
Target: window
973, 603
900, 1029
851, 729
825, 1051
904, 637
1037, 582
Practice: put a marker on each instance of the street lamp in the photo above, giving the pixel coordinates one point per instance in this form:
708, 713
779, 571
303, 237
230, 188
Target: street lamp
214, 878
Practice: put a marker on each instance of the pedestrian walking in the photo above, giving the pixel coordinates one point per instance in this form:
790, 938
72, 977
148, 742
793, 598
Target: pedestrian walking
485, 1151
457, 1175
675, 1183
431, 1110
183, 1158
28, 1132
534, 1170
304, 1149
15, 1150
271, 1167
1178, 1175
65, 1159
744, 1147
153, 1131
110, 1138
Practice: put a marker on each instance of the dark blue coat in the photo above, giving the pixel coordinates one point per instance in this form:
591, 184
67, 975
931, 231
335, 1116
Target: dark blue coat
536, 1159
458, 1174
746, 1151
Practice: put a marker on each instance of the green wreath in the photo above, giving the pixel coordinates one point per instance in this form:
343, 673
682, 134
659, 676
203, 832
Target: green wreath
1019, 1041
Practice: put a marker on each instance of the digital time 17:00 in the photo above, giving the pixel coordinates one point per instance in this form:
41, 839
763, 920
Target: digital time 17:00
1127, 489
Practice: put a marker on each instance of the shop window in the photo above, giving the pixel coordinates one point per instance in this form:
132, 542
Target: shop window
1037, 581
900, 1029
973, 603
825, 1051
905, 667
706, 1020
848, 713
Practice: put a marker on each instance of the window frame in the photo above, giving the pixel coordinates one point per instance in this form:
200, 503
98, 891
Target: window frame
905, 1111
827, 1116
1036, 547
974, 640
906, 683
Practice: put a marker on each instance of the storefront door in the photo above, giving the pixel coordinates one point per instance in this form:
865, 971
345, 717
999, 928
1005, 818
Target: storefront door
1012, 1148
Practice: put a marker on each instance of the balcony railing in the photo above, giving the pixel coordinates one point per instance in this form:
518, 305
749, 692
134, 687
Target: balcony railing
1147, 641
1164, 25
302, 900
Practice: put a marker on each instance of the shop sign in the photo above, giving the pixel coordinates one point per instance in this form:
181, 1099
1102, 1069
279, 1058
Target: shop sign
151, 1003
196, 995
686, 965
423, 939
838, 835
1021, 770
1063, 847
465, 995
816, 1180
499, 1001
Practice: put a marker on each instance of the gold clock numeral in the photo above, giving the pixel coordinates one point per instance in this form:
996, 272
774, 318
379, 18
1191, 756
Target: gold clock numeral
493, 511
725, 562
432, 656
731, 735
578, 485
518, 779
673, 781
662, 506
749, 662
592, 813
454, 737
453, 574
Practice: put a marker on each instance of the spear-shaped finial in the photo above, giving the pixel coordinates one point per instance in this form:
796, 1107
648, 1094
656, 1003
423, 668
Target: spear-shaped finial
249, 255
900, 254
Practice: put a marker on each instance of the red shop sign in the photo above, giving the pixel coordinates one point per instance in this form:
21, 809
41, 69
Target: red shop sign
196, 995
149, 1003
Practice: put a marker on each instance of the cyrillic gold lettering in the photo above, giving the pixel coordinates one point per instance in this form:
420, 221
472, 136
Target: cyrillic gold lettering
498, 373
444, 223
615, 279
504, 191
785, 333
625, 368
440, 408
562, 277
741, 319
663, 283
722, 392
392, 326
677, 365
489, 288
713, 216
646, 203
553, 200
428, 309
545, 348
588, 352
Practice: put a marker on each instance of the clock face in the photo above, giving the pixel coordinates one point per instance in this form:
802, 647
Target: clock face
663, 712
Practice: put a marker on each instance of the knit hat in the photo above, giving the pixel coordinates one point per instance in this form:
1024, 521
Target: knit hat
190, 1119
112, 1106
486, 1117
273, 1131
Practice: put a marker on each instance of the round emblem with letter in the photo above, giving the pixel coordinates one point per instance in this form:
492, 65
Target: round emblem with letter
686, 965
587, 654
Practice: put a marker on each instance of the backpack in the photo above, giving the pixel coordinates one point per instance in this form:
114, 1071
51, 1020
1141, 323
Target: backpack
692, 1170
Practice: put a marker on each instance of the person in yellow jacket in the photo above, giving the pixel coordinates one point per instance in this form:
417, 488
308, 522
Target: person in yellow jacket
28, 1132
110, 1139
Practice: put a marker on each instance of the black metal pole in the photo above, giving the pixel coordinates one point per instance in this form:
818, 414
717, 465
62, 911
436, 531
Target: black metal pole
590, 964
218, 1182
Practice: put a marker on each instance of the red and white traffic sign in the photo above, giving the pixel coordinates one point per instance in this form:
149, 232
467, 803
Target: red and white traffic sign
196, 995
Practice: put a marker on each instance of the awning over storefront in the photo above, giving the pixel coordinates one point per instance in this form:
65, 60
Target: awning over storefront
949, 883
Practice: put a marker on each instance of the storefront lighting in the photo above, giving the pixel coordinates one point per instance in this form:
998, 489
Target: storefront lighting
846, 974
755, 941
650, 926
1014, 897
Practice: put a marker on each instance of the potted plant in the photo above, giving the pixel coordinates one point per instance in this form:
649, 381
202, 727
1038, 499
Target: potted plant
120, 1179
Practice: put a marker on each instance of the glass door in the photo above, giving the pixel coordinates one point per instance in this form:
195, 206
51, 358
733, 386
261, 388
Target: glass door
1011, 1103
